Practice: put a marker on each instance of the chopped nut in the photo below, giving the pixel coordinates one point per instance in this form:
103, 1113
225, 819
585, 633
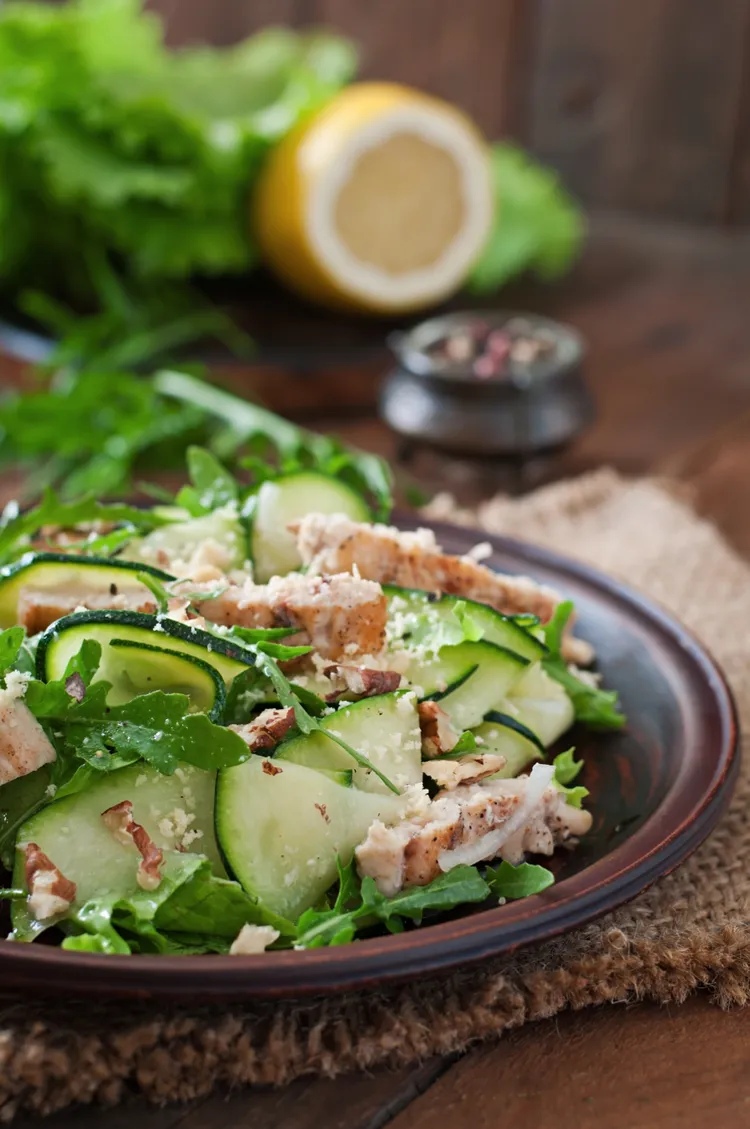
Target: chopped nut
119, 820
267, 729
50, 892
360, 681
438, 735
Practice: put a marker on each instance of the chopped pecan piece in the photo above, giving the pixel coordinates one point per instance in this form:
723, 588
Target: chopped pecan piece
438, 735
267, 729
360, 681
450, 774
50, 892
119, 820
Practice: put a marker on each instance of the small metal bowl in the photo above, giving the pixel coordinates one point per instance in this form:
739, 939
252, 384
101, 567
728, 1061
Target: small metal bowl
527, 410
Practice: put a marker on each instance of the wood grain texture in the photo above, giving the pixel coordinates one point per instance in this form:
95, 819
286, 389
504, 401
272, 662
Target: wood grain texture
636, 101
470, 53
355, 1102
617, 1068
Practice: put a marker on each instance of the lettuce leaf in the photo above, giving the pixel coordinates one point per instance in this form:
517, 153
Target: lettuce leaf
593, 706
512, 882
538, 227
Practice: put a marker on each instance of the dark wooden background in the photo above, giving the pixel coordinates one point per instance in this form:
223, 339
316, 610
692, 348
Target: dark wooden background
643, 105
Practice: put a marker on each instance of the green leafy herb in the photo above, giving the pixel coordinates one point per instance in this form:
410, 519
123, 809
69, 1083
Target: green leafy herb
537, 227
594, 707
467, 743
17, 528
567, 769
11, 641
212, 484
511, 882
367, 906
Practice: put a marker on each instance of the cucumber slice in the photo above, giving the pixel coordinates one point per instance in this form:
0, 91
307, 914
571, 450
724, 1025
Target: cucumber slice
469, 680
541, 704
137, 668
385, 729
282, 500
502, 734
71, 832
66, 575
63, 639
411, 609
222, 531
280, 833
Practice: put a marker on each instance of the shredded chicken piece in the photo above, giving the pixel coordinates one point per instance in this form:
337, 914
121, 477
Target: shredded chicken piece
24, 746
39, 607
119, 820
360, 681
253, 939
438, 735
449, 774
505, 818
334, 543
339, 615
50, 892
267, 729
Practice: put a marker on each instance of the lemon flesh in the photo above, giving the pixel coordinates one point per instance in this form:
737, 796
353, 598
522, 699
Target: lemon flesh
381, 203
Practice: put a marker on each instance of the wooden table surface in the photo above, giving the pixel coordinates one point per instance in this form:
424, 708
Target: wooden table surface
667, 317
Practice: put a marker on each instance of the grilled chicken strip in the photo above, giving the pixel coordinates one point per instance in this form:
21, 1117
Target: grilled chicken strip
39, 607
472, 823
334, 543
340, 615
24, 746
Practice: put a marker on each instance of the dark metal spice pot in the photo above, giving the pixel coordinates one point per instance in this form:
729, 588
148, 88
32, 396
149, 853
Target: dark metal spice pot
478, 383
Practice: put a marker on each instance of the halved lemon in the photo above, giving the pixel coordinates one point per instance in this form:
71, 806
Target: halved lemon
381, 202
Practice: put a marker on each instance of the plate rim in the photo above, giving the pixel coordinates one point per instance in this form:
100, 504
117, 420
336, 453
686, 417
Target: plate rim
496, 932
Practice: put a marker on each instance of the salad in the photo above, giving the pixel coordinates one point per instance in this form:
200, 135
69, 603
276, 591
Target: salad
252, 718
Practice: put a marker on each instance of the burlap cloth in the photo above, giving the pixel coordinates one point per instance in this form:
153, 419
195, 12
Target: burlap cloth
689, 930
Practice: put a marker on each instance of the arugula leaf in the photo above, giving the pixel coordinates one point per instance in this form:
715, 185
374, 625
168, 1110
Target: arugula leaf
16, 528
213, 485
462, 884
512, 882
567, 769
554, 629
11, 641
338, 926
593, 706
161, 594
537, 226
467, 743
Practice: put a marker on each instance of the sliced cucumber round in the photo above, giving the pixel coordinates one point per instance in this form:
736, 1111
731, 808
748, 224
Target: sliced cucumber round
138, 668
71, 832
286, 499
541, 704
281, 832
72, 578
63, 639
468, 680
385, 729
499, 733
413, 612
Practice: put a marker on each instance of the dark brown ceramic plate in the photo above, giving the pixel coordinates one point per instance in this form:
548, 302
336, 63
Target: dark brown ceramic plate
657, 789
